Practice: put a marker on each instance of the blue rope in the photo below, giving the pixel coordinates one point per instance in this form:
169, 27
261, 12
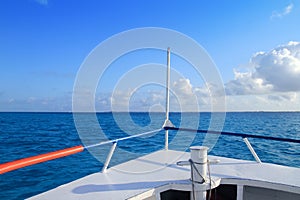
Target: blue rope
243, 135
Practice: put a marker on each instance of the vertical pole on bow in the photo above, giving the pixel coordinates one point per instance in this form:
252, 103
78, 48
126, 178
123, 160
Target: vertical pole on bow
167, 99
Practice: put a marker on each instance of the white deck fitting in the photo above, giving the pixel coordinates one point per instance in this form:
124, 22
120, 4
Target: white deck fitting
159, 169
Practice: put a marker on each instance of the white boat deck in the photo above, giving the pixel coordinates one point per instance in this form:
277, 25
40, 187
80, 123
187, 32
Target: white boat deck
140, 177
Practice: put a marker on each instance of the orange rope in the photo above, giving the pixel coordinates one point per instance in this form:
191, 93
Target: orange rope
13, 165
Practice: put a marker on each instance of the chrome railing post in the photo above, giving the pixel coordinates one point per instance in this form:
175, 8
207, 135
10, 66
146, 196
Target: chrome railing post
111, 152
252, 150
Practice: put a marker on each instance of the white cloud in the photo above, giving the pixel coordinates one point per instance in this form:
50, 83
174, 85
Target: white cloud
183, 87
291, 97
274, 71
287, 10
267, 102
120, 100
244, 83
270, 83
37, 104
130, 100
183, 97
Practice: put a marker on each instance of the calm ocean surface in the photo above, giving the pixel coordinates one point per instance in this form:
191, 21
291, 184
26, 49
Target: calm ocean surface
29, 134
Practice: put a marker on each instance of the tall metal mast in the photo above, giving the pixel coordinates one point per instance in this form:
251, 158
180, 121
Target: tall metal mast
168, 85
167, 123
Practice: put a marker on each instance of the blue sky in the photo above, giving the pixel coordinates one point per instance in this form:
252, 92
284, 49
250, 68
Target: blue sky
44, 42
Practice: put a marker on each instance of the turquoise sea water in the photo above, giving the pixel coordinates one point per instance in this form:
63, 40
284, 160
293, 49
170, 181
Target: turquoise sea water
29, 134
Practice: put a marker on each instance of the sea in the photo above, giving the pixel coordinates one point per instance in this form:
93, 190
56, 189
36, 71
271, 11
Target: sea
24, 134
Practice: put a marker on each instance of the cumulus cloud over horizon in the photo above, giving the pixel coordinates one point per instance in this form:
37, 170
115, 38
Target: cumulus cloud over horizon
271, 81
275, 71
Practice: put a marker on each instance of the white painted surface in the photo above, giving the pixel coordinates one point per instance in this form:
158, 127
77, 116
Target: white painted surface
159, 169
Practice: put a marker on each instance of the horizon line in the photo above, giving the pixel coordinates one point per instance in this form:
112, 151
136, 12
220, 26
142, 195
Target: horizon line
231, 111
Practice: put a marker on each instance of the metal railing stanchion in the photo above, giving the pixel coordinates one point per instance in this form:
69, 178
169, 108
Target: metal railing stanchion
109, 156
252, 150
